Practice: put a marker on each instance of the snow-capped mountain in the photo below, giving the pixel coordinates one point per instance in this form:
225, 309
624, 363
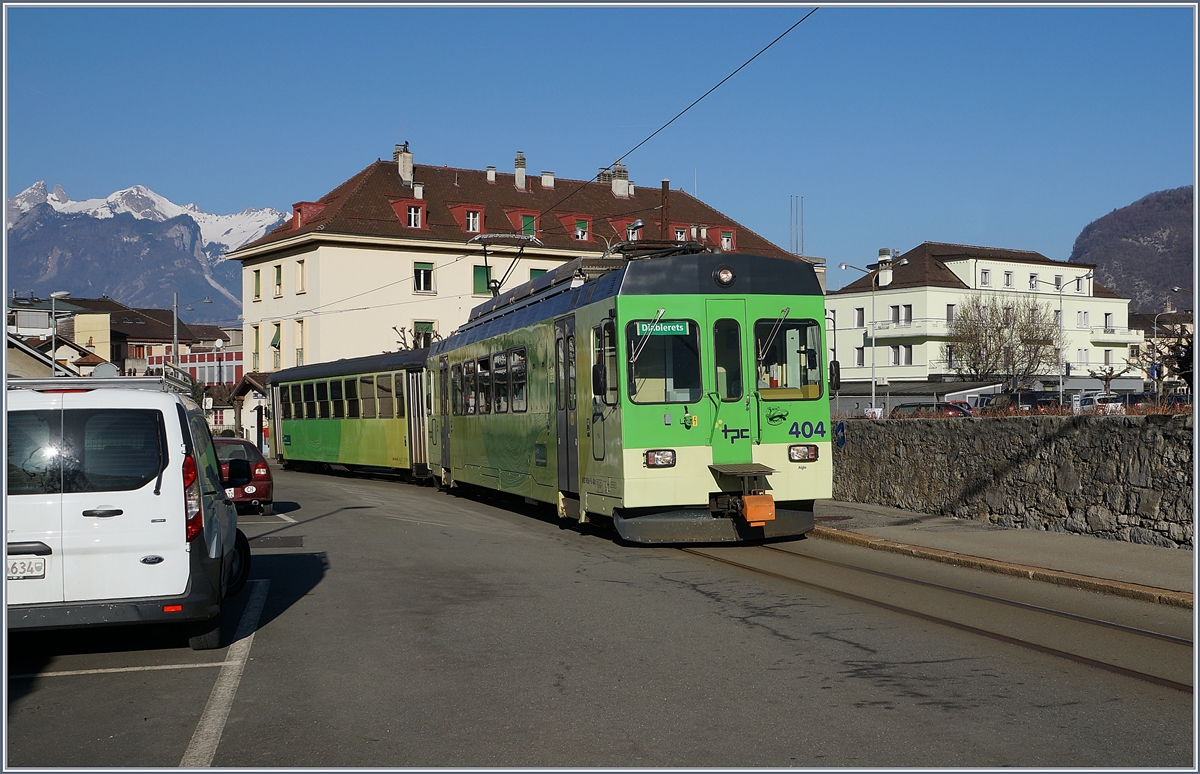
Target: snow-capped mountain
231, 231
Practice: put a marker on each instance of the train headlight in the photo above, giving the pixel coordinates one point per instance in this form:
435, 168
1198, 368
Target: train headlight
724, 276
660, 458
802, 452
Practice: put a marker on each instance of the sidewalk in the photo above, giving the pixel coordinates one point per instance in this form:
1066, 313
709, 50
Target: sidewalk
1150, 573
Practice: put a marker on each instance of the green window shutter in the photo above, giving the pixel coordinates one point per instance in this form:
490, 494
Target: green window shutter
423, 327
482, 275
426, 266
529, 225
535, 273
275, 338
257, 283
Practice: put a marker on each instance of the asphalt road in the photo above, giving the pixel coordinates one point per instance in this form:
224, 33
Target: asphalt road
403, 626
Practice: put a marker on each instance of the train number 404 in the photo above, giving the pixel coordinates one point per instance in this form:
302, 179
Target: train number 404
806, 430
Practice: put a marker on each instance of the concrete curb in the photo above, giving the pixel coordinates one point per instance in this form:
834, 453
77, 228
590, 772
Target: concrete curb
1117, 588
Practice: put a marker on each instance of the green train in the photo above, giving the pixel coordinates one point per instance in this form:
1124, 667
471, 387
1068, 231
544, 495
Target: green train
363, 412
680, 393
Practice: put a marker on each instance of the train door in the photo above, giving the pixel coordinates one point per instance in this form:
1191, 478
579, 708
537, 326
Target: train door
444, 411
735, 422
418, 454
566, 396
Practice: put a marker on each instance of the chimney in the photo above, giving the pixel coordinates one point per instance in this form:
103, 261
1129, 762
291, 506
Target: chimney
418, 190
620, 180
491, 175
605, 175
547, 180
884, 271
404, 163
631, 188
519, 165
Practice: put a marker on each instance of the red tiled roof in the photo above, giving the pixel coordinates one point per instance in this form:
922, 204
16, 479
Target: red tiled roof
927, 268
363, 206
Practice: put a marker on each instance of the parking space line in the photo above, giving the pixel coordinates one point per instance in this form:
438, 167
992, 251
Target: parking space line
285, 517
203, 747
113, 670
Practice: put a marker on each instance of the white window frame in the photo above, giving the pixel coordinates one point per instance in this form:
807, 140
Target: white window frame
860, 357
906, 354
301, 278
906, 314
1058, 281
681, 235
472, 221
417, 275
1008, 279
414, 216
894, 355
860, 317
1109, 323
726, 240
951, 310
1108, 357
1033, 281
985, 277
1079, 284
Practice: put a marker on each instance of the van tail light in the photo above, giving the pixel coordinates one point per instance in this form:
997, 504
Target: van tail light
194, 524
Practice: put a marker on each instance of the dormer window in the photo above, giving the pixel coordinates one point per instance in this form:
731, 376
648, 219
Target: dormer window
633, 234
581, 230
414, 216
473, 221
411, 212
680, 234
726, 240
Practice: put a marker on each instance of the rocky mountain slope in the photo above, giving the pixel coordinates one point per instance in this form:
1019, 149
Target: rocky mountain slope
134, 246
1143, 250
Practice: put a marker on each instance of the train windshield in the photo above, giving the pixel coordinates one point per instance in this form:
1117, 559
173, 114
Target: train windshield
664, 362
789, 359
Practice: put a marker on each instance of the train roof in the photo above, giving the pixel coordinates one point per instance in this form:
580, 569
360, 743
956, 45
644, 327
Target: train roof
669, 272
387, 361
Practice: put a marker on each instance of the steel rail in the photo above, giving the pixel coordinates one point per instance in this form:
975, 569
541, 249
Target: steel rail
1073, 657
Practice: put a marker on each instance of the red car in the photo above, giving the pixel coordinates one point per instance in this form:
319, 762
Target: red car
259, 494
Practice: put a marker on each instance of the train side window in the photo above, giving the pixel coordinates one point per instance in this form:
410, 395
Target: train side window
664, 362
609, 353
310, 400
789, 359
559, 376
456, 380
297, 403
352, 398
500, 382
323, 400
516, 370
727, 358
335, 396
483, 373
469, 387
285, 402
571, 367
366, 395
399, 381
383, 388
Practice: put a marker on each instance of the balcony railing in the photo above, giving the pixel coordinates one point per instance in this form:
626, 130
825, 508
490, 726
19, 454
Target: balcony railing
275, 359
254, 361
299, 356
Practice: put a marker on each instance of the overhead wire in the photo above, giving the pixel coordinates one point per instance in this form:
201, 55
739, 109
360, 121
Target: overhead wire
681, 112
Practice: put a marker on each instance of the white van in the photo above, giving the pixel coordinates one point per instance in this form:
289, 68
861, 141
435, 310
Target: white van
116, 511
1098, 403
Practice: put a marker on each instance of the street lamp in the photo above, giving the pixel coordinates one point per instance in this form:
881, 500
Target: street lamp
1062, 327
175, 325
54, 330
884, 264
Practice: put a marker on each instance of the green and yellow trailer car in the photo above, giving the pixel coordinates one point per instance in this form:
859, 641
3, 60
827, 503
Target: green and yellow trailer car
360, 413
682, 394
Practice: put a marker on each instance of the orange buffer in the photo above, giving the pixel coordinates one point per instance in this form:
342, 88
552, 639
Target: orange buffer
758, 509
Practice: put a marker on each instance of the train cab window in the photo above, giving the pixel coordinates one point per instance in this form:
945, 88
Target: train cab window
352, 399
727, 358
310, 401
604, 354
469, 387
559, 376
366, 395
500, 382
383, 390
483, 375
323, 400
788, 359
664, 361
399, 381
516, 372
456, 381
285, 402
335, 398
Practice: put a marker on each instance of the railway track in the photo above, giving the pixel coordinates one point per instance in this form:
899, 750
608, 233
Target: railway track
1161, 658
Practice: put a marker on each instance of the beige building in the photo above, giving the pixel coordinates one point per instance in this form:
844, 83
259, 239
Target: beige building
400, 253
911, 310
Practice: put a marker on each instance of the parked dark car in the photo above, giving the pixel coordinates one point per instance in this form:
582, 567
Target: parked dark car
259, 494
940, 409
1021, 401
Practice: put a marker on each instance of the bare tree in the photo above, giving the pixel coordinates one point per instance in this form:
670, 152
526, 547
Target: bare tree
1107, 374
1011, 337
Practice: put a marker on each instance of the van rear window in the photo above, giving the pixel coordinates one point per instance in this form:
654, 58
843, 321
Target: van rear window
84, 450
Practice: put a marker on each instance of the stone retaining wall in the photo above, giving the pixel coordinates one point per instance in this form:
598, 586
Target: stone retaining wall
1123, 478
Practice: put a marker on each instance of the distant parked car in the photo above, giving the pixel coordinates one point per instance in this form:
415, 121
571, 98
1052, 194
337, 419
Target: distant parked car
1021, 401
258, 495
940, 409
1100, 403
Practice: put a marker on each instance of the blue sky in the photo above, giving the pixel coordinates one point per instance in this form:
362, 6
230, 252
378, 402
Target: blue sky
1008, 127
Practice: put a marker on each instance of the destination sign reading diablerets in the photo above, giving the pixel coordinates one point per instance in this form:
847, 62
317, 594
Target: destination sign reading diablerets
676, 328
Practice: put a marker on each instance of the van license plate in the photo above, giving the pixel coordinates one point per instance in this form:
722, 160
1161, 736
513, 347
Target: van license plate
30, 567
